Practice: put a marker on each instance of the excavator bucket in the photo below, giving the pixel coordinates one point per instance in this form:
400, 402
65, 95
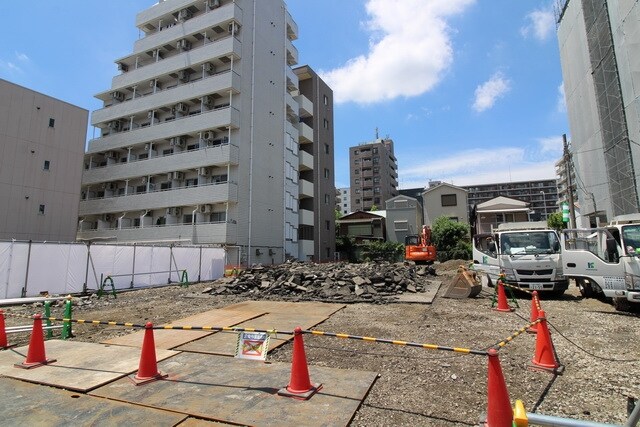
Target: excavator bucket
465, 284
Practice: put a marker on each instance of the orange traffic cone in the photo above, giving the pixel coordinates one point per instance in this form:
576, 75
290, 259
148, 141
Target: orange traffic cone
3, 333
535, 303
544, 357
300, 386
499, 412
35, 354
148, 367
503, 305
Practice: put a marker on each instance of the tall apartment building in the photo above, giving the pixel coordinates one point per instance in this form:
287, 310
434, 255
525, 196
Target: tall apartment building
199, 134
42, 141
565, 182
343, 200
599, 42
317, 234
373, 174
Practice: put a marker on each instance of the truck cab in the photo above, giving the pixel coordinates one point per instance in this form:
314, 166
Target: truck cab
605, 262
527, 253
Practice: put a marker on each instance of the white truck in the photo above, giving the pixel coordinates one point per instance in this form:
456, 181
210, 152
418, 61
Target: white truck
605, 262
528, 253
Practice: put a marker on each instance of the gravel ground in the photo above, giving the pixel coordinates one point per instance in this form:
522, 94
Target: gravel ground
599, 348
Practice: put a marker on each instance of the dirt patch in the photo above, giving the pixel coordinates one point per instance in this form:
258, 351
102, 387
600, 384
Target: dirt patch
599, 348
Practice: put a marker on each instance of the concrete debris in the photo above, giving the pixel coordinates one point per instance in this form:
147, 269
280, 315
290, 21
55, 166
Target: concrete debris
372, 282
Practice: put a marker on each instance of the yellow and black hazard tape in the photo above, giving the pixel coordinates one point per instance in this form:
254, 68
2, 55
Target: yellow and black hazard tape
93, 322
402, 343
223, 329
516, 287
515, 334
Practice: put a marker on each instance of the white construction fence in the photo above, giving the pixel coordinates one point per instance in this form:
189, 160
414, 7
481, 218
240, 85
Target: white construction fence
33, 268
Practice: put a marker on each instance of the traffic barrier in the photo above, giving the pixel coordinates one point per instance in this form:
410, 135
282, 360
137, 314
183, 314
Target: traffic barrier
535, 308
545, 358
503, 305
3, 333
515, 334
148, 367
300, 386
499, 412
36, 354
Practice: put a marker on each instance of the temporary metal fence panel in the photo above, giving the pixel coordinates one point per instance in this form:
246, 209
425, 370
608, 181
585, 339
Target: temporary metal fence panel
56, 268
13, 267
212, 264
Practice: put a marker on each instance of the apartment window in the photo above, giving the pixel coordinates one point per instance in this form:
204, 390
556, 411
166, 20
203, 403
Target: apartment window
376, 160
165, 186
326, 173
401, 225
218, 217
325, 99
344, 205
187, 219
52, 122
141, 189
376, 200
356, 152
356, 161
376, 190
357, 201
400, 204
374, 150
192, 182
326, 148
41, 209
325, 123
376, 170
167, 152
46, 166
327, 225
357, 180
448, 200
357, 171
376, 180
357, 191
326, 199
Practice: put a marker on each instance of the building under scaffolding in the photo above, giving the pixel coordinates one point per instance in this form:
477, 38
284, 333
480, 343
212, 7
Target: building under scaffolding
599, 44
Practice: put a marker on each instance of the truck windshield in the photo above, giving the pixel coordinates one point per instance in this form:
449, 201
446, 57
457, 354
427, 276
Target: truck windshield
631, 239
529, 242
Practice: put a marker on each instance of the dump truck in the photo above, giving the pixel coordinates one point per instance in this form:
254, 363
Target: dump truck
528, 253
418, 247
605, 262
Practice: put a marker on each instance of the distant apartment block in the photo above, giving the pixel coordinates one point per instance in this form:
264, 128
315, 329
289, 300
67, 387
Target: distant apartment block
373, 174
343, 200
42, 141
206, 136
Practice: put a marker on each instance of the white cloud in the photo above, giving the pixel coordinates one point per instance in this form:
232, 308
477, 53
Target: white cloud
541, 24
561, 104
9, 66
507, 164
488, 93
551, 145
22, 56
409, 51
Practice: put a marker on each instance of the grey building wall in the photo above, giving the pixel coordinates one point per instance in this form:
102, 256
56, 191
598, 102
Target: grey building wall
235, 149
343, 200
599, 41
42, 141
373, 173
404, 216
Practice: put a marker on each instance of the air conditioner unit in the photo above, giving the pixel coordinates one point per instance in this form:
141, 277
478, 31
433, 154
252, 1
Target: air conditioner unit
184, 76
118, 96
123, 67
184, 14
150, 115
272, 252
181, 107
147, 147
209, 68
232, 28
175, 211
111, 154
178, 175
183, 44
178, 140
144, 180
213, 4
207, 100
205, 208
114, 125
203, 171
107, 217
157, 54
208, 135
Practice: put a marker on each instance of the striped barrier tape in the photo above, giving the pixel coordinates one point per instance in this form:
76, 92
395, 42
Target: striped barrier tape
515, 334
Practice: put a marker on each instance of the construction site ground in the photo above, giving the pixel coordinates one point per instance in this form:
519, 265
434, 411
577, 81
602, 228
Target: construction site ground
376, 384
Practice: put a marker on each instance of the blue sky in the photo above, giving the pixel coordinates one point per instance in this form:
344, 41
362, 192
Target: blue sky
469, 90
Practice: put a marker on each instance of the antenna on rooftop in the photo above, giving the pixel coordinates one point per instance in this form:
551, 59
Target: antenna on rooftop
376, 132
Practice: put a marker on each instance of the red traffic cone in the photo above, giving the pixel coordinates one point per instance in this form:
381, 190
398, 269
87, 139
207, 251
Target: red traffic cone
148, 367
503, 305
499, 411
544, 357
535, 303
300, 386
3, 333
36, 354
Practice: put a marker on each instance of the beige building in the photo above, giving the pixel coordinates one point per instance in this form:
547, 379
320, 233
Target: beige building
42, 141
203, 136
448, 200
373, 174
404, 217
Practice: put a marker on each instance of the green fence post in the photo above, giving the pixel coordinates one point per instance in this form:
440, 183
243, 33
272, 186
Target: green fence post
66, 326
47, 314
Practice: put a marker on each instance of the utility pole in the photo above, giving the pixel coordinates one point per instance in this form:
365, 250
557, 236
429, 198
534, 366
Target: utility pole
567, 168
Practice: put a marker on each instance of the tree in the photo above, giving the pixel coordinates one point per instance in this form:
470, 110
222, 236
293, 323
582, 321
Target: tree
451, 239
337, 214
386, 251
346, 245
373, 208
555, 221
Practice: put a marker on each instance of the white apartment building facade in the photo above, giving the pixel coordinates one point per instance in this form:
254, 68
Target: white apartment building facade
199, 133
343, 200
42, 141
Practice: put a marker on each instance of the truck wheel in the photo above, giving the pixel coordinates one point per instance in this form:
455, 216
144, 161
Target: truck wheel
489, 282
586, 290
622, 304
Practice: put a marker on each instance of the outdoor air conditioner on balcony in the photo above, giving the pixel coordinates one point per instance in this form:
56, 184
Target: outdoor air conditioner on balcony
203, 171
178, 140
232, 28
207, 100
123, 67
181, 107
209, 68
111, 154
118, 96
183, 45
107, 217
146, 147
174, 211
213, 4
114, 125
184, 75
178, 175
184, 14
150, 115
205, 208
157, 54
144, 180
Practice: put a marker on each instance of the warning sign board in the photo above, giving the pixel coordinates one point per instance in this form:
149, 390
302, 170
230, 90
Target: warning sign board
252, 345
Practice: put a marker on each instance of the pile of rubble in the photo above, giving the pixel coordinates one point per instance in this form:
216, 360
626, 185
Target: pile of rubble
371, 282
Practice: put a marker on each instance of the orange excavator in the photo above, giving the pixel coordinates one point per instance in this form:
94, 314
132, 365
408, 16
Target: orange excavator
418, 247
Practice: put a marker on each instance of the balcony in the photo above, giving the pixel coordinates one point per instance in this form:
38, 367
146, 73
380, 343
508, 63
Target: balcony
305, 188
292, 27
219, 84
292, 54
305, 106
306, 161
183, 196
210, 156
197, 123
305, 133
171, 35
306, 217
145, 71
